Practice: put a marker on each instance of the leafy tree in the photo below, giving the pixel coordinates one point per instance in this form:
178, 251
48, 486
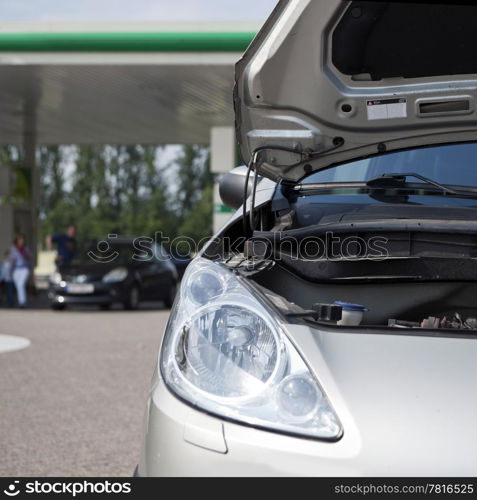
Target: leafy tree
53, 176
122, 190
198, 224
195, 196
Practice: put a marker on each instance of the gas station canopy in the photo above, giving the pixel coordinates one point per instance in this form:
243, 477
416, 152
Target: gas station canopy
120, 83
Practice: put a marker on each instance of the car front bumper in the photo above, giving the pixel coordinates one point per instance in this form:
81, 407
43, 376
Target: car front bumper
182, 442
405, 402
104, 294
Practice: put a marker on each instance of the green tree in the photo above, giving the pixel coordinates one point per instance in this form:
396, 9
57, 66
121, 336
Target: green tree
122, 190
198, 224
51, 171
159, 215
195, 192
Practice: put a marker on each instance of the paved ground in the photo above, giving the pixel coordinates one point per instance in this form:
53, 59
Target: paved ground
72, 402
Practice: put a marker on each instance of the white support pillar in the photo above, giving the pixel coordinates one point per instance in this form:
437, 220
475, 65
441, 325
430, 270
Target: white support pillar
222, 159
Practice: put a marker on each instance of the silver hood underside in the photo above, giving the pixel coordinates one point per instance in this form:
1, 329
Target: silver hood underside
290, 94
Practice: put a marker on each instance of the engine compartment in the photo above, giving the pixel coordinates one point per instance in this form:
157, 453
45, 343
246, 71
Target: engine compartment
427, 305
403, 265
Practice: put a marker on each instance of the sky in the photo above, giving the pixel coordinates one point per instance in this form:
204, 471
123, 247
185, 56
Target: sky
135, 10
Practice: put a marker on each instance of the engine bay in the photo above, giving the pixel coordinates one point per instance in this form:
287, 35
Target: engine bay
391, 264
427, 280
436, 305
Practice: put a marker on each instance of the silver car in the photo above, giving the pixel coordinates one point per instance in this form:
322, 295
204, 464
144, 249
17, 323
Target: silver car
330, 329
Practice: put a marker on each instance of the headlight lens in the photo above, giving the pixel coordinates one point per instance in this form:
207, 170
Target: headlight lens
116, 275
225, 353
55, 278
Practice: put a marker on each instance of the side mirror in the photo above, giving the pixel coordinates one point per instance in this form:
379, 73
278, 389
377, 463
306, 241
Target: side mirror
232, 187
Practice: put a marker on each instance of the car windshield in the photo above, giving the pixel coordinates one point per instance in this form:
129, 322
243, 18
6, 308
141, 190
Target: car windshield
449, 165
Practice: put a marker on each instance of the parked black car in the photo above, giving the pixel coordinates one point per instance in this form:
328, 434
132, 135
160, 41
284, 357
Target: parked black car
119, 275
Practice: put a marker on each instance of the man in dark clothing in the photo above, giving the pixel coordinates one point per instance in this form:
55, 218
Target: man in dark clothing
65, 246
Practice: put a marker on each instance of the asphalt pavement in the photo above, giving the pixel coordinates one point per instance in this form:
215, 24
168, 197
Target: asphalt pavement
73, 399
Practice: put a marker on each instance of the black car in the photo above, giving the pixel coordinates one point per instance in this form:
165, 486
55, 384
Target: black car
122, 275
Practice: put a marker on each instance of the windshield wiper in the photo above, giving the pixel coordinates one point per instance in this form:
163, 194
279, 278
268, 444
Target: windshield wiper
399, 181
388, 181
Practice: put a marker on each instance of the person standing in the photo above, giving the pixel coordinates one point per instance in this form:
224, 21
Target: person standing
65, 247
6, 280
21, 263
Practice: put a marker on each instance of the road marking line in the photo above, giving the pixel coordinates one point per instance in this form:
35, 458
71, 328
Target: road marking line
10, 344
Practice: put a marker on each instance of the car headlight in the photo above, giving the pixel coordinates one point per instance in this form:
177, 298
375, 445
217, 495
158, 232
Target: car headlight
116, 275
55, 278
226, 353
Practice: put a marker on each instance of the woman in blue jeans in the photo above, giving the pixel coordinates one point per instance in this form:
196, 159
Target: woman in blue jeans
20, 267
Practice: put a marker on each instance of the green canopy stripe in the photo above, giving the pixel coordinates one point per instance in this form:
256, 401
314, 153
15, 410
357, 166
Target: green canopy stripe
126, 42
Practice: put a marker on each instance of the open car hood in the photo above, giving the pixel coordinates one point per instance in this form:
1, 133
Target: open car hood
339, 80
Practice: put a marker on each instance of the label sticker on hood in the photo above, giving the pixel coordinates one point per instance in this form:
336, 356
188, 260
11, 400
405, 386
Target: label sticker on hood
386, 109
